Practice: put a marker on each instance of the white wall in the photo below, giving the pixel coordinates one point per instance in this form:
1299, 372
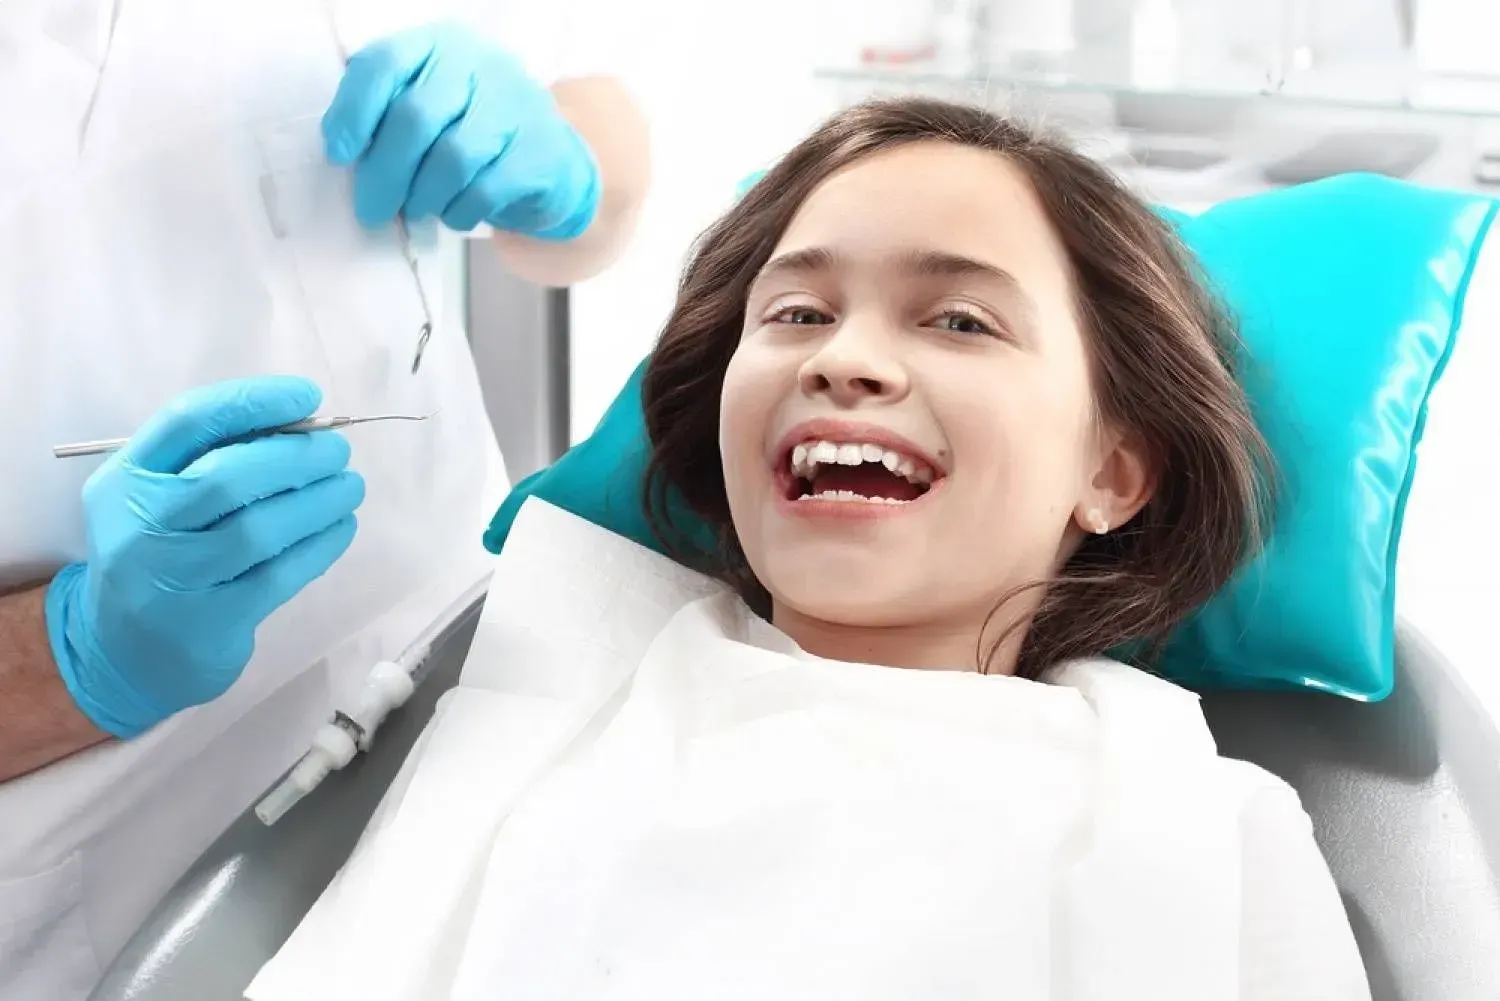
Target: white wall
728, 91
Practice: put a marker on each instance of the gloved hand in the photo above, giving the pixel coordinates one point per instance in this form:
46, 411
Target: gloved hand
192, 542
441, 124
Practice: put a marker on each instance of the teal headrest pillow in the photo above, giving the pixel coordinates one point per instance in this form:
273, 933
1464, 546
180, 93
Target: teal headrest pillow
1349, 293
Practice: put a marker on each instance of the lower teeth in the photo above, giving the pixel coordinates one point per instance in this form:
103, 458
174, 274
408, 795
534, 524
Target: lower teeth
850, 495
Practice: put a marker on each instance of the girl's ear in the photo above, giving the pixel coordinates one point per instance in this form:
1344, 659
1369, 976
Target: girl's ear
1122, 483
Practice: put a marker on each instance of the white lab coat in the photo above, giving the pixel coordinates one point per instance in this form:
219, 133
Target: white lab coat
167, 220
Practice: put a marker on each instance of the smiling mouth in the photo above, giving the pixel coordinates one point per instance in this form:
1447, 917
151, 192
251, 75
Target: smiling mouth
832, 471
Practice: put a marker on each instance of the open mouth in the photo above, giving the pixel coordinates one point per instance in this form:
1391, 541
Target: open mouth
872, 474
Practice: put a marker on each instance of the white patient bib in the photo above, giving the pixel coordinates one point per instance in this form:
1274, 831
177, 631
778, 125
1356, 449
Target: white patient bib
642, 791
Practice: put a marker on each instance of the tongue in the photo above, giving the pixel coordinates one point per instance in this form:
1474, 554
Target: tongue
869, 479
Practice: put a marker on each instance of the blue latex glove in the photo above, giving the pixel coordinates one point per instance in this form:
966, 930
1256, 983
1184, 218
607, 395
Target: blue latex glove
193, 539
439, 123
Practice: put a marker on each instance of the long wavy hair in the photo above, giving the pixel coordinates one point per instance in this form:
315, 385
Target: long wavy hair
1162, 351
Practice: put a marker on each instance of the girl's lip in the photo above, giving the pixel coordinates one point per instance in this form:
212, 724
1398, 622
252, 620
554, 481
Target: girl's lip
852, 433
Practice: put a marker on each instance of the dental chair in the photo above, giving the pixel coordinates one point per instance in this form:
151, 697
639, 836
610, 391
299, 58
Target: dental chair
1405, 794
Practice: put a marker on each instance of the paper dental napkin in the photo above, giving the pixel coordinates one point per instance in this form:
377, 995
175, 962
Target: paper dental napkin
641, 791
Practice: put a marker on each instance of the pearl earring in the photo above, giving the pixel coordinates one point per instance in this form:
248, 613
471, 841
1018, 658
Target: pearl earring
1097, 524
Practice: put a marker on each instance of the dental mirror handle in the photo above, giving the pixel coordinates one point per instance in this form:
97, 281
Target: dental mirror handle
106, 445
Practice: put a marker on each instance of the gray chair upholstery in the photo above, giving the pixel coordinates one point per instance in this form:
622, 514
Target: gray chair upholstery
241, 901
1405, 793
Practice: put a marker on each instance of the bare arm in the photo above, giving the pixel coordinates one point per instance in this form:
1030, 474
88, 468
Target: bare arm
39, 723
608, 119
1296, 943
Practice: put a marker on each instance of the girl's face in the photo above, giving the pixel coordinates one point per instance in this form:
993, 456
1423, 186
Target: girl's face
907, 429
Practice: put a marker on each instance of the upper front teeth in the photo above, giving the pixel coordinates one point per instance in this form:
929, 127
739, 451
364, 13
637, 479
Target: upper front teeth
807, 457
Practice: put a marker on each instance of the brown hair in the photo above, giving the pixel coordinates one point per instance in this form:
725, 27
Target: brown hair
1162, 354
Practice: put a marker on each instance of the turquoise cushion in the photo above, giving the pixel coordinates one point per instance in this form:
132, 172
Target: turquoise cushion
1349, 293
602, 479
749, 182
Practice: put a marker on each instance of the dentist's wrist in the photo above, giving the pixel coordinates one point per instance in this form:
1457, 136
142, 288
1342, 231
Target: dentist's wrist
39, 722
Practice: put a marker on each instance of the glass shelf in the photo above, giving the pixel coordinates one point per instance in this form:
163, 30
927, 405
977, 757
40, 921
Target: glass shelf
1418, 95
1195, 143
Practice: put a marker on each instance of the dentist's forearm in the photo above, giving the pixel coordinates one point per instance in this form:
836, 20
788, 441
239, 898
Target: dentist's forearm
39, 722
615, 128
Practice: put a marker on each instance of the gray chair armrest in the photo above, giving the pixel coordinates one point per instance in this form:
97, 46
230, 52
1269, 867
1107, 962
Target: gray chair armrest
241, 901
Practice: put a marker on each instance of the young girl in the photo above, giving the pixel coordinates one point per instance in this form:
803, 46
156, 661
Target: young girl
964, 422
955, 401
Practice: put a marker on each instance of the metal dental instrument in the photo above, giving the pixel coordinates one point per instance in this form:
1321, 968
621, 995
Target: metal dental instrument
106, 445
403, 234
424, 332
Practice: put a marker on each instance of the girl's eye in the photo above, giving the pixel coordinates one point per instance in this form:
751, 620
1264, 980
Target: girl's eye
800, 316
961, 321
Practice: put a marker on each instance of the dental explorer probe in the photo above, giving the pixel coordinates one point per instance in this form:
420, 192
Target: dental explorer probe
106, 445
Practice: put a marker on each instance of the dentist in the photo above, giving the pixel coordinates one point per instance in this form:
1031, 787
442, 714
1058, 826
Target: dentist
203, 202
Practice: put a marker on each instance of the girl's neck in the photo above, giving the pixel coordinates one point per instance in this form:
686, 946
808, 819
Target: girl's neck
935, 646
